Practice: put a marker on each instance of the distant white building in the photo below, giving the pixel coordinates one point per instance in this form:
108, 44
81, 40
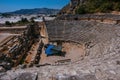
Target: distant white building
11, 19
40, 19
49, 18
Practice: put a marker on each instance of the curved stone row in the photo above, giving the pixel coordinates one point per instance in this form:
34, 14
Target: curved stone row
80, 31
106, 18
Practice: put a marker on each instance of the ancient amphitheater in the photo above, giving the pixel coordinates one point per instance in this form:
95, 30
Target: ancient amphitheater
92, 50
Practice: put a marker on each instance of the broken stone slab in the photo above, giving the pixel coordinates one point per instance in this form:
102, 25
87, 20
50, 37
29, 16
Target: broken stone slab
75, 77
88, 77
27, 76
19, 76
4, 76
2, 69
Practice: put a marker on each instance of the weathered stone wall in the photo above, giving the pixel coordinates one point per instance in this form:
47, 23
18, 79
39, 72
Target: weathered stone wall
104, 18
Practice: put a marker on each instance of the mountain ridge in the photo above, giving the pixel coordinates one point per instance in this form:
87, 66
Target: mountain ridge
35, 11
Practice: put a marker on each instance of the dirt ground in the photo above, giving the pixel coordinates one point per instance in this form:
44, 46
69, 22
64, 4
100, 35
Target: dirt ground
73, 51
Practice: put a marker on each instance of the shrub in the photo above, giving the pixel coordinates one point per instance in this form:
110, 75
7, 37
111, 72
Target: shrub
7, 23
116, 6
81, 10
105, 7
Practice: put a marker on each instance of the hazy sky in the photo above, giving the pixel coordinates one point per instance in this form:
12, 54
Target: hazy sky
12, 5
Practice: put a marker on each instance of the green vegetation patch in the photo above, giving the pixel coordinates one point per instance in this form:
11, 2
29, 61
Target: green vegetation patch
93, 6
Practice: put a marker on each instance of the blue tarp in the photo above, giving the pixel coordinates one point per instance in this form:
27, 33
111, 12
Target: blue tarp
48, 50
52, 49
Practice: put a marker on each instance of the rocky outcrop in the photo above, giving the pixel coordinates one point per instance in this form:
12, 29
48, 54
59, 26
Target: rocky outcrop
90, 6
71, 7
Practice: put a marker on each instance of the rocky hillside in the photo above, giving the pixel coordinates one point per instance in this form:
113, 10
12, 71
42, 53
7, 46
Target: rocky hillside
91, 6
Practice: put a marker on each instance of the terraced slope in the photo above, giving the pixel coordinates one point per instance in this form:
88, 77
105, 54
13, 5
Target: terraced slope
98, 38
81, 31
